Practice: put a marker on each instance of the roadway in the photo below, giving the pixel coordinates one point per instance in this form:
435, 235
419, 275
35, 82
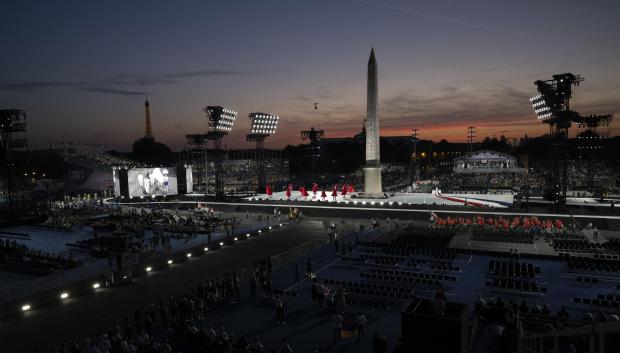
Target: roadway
83, 316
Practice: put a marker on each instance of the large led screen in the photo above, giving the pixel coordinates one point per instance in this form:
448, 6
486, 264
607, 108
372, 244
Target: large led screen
152, 181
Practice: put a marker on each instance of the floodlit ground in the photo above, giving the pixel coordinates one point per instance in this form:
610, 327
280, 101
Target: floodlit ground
481, 200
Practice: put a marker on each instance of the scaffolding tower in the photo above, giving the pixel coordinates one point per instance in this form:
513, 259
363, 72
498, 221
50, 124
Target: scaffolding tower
12, 139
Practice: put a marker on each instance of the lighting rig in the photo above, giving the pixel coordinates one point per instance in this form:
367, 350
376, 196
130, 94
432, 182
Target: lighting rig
262, 125
313, 149
221, 121
552, 106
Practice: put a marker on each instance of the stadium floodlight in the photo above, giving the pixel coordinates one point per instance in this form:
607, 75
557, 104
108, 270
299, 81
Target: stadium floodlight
220, 119
541, 108
263, 123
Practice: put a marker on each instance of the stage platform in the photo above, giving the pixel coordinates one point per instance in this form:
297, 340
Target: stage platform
355, 198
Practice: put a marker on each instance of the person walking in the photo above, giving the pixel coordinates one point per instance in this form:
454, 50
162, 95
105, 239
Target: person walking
337, 321
297, 274
253, 286
595, 233
361, 323
285, 347
280, 310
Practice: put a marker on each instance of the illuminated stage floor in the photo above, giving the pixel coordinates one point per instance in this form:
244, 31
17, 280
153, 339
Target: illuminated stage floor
480, 200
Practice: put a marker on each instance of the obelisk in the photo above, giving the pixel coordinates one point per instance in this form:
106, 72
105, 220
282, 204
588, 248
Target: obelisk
372, 170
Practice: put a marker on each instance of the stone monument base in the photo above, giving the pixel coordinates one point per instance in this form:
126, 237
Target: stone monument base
372, 182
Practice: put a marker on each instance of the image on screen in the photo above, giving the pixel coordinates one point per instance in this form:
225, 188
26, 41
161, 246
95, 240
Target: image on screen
189, 180
152, 182
117, 184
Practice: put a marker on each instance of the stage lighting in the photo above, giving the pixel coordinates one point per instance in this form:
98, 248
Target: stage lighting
263, 123
540, 106
64, 295
220, 119
25, 307
96, 285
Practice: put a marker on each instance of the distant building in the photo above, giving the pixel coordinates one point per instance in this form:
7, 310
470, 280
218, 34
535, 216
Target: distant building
486, 162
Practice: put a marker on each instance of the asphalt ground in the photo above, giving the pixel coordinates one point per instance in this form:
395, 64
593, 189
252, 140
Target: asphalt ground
83, 316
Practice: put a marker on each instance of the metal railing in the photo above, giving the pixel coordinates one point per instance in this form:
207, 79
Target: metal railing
596, 334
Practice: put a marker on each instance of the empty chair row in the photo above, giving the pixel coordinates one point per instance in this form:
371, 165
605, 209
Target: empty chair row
373, 289
420, 281
591, 264
414, 274
511, 284
370, 302
513, 269
586, 280
598, 302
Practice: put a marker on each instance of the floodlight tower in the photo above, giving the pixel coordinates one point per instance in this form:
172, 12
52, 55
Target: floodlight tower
414, 157
221, 121
552, 106
12, 139
314, 147
262, 125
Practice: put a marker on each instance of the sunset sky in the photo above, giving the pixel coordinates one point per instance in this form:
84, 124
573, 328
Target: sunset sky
81, 69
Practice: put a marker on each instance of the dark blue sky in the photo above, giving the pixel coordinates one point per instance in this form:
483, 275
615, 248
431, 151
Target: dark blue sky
81, 69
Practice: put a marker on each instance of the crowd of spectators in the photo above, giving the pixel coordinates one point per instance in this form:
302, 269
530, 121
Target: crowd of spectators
490, 183
22, 258
180, 322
